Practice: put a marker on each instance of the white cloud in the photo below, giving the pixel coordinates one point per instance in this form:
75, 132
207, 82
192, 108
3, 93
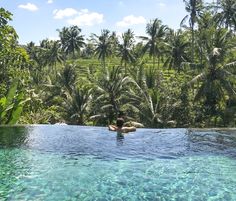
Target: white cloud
67, 12
28, 6
50, 1
131, 20
86, 18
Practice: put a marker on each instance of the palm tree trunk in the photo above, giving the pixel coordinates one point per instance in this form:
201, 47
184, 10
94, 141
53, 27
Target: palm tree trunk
125, 68
153, 62
104, 62
73, 53
192, 53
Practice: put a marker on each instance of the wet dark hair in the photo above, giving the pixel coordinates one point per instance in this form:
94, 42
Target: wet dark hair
120, 122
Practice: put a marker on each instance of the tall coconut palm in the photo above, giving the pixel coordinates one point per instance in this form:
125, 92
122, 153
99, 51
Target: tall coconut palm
154, 42
114, 41
176, 52
194, 8
54, 54
111, 90
206, 26
45, 43
67, 78
36, 54
125, 49
103, 45
218, 78
88, 51
227, 16
76, 105
154, 107
71, 39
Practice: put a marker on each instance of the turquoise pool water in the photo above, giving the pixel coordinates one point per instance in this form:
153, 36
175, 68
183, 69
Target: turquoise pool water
91, 163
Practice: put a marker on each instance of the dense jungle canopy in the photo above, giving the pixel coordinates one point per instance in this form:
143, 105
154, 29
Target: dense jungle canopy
167, 78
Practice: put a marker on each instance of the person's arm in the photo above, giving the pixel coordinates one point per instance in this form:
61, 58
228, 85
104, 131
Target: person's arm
129, 129
133, 124
112, 128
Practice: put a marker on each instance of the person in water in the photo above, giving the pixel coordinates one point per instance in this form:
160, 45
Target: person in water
119, 128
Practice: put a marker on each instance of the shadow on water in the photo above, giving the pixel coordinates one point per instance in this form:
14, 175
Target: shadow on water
120, 139
13, 136
12, 162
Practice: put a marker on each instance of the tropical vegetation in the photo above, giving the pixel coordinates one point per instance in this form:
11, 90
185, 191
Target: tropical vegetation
166, 78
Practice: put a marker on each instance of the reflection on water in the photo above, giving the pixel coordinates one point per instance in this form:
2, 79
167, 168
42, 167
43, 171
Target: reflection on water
221, 140
99, 142
12, 164
91, 163
120, 139
13, 136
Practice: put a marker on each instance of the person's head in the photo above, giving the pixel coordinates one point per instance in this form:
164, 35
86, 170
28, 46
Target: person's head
119, 122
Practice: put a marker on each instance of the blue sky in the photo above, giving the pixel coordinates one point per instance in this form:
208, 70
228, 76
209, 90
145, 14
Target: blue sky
35, 20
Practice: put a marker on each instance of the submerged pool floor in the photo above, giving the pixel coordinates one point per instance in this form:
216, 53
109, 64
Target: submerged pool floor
91, 163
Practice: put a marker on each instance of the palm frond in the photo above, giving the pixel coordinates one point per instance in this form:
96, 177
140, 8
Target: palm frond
183, 21
196, 79
201, 92
230, 66
228, 87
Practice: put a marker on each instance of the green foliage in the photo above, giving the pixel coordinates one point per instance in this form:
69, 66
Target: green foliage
176, 50
111, 88
155, 41
11, 105
103, 46
68, 80
13, 58
71, 39
75, 105
125, 49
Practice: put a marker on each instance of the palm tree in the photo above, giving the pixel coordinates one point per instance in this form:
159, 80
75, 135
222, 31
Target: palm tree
36, 54
194, 8
45, 43
71, 39
111, 90
39, 58
125, 49
218, 78
67, 78
154, 42
103, 46
114, 42
154, 107
176, 52
206, 26
54, 54
228, 14
88, 51
76, 105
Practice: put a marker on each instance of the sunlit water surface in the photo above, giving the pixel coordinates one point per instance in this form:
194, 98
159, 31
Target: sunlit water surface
91, 163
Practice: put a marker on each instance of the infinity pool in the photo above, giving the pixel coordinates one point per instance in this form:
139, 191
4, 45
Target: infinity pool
90, 163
